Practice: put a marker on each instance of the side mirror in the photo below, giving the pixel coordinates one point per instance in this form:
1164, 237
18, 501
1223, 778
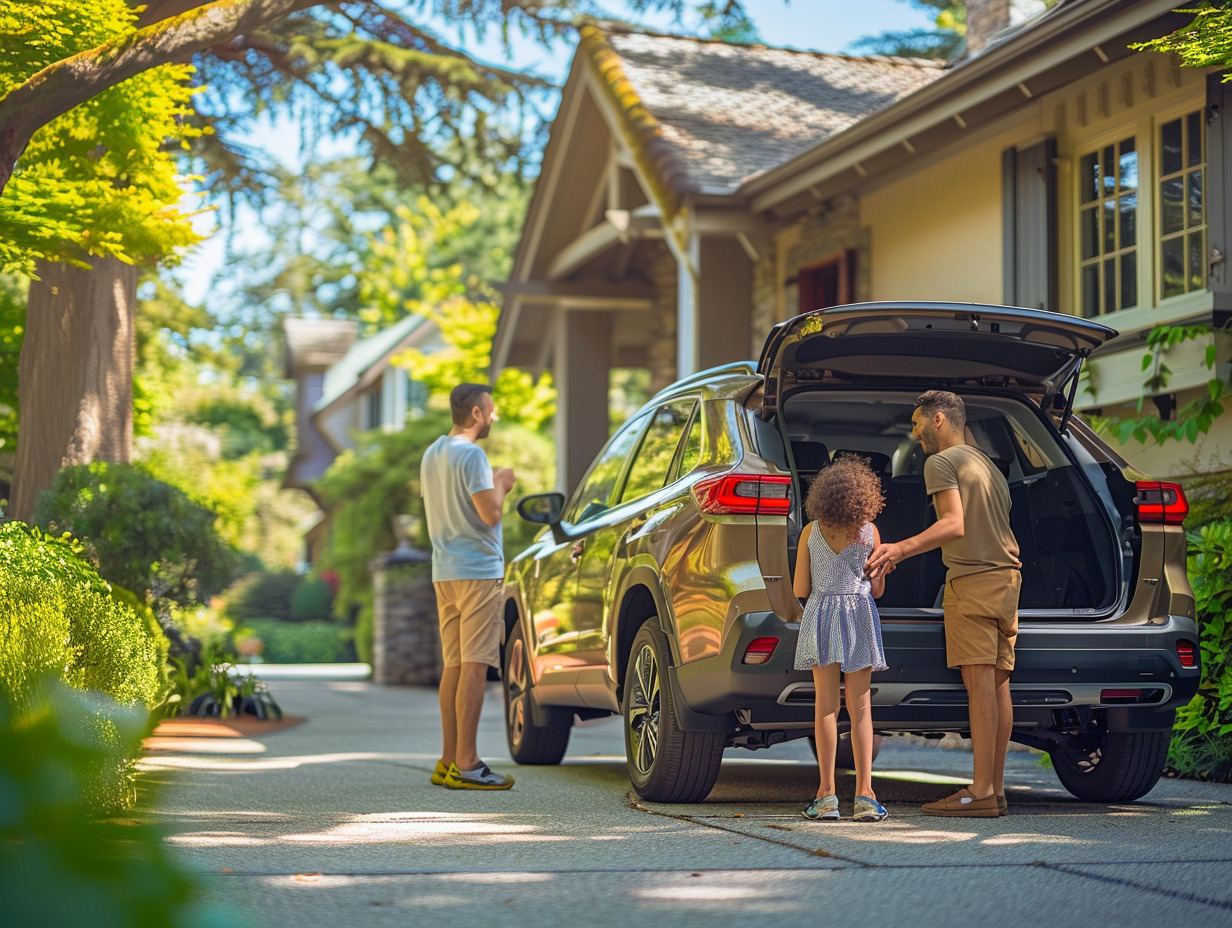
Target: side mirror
542, 508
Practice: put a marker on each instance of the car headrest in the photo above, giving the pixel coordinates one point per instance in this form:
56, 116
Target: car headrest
810, 455
877, 461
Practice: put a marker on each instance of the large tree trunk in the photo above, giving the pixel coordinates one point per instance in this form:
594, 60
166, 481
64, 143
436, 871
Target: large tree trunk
75, 375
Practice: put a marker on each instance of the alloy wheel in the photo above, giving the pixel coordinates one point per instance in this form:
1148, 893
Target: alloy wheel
645, 706
515, 690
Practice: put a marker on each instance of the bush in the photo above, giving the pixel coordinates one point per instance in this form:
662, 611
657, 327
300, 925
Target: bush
365, 487
312, 600
58, 866
59, 618
264, 595
1202, 739
303, 642
141, 533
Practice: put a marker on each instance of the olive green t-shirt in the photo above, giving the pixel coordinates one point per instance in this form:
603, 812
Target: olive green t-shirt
987, 542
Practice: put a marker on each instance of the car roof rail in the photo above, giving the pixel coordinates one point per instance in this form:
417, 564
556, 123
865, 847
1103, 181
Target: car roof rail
734, 367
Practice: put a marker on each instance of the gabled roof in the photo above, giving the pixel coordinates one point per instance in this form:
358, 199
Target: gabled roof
365, 355
726, 113
316, 343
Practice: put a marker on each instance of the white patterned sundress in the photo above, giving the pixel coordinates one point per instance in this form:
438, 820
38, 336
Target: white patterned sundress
840, 623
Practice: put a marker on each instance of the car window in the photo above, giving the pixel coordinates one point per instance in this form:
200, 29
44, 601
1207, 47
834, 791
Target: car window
594, 493
691, 450
654, 457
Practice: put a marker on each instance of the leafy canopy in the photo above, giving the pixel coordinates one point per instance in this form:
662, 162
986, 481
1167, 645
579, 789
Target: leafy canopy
102, 179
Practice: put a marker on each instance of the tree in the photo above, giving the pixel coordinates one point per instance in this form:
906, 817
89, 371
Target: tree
1204, 43
945, 41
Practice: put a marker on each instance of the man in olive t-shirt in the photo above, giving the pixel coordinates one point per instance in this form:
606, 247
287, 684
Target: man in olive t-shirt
972, 500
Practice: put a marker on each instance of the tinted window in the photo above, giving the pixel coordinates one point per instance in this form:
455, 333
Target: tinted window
594, 493
691, 453
654, 458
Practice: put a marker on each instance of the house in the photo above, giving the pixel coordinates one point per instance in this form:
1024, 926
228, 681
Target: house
693, 194
347, 385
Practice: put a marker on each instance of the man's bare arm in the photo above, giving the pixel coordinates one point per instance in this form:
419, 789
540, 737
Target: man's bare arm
949, 525
490, 504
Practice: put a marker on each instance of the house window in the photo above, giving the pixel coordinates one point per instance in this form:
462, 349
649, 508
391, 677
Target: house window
1182, 219
1108, 227
827, 283
1142, 239
372, 409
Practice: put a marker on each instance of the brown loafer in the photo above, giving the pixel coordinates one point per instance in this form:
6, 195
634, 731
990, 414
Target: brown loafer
964, 804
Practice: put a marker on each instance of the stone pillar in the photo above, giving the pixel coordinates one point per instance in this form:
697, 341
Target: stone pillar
724, 298
582, 369
406, 640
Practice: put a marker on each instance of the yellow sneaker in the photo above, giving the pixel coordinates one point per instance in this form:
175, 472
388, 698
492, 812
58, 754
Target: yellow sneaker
439, 774
481, 777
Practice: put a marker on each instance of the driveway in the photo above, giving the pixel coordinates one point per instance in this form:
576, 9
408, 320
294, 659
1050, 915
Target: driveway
334, 823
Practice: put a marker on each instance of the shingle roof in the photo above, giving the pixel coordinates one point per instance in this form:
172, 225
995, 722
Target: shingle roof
345, 375
726, 113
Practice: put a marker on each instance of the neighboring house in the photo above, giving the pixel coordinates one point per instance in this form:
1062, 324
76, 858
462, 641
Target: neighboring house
693, 193
346, 386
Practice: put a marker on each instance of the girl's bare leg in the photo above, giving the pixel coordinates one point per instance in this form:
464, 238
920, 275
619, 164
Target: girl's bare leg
859, 710
825, 723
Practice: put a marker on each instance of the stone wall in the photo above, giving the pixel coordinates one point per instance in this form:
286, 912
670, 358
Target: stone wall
661, 353
406, 646
829, 228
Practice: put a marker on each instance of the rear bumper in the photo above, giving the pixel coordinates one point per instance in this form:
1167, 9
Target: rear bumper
1062, 672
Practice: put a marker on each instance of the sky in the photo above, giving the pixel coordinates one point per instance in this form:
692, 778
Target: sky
811, 25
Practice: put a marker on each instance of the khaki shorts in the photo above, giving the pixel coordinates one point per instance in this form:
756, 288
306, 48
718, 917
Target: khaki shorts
471, 627
981, 618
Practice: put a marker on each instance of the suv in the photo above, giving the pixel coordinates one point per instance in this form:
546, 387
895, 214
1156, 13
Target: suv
661, 590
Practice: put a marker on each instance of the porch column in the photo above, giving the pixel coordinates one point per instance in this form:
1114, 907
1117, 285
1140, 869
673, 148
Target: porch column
582, 364
725, 301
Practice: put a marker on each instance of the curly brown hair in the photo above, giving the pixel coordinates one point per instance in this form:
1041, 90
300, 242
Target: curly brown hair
846, 493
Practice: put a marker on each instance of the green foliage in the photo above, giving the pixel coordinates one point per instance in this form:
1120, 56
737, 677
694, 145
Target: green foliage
12, 329
1204, 43
59, 619
142, 533
1193, 419
101, 179
1202, 740
261, 595
308, 642
58, 864
380, 478
312, 600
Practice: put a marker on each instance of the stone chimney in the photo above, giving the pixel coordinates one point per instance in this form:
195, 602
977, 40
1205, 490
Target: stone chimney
985, 19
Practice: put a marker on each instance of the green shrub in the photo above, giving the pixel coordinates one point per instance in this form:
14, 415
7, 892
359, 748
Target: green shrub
141, 533
1202, 740
312, 600
261, 595
303, 642
58, 865
367, 486
58, 618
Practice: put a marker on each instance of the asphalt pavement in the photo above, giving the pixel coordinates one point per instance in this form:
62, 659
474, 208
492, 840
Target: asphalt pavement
334, 823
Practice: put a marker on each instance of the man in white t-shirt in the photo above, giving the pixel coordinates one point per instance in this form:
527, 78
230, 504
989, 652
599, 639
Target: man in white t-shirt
463, 500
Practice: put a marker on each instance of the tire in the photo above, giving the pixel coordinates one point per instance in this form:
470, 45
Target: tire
1120, 767
666, 764
844, 757
528, 743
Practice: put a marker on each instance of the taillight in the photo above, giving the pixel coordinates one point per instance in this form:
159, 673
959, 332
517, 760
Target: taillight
1161, 503
744, 494
1187, 652
759, 650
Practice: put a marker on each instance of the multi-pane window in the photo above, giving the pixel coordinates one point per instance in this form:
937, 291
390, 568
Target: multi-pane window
1108, 223
1182, 221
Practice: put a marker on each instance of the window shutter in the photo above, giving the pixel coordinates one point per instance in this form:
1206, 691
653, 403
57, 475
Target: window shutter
1029, 217
1219, 190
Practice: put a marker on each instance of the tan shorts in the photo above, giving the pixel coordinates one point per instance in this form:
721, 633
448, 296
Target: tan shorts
471, 628
981, 618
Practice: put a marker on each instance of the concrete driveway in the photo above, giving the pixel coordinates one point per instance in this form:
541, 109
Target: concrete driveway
334, 823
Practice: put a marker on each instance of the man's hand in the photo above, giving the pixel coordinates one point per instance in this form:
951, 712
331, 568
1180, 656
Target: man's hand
503, 479
883, 560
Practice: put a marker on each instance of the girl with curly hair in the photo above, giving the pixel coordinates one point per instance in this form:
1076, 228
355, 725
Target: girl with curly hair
841, 630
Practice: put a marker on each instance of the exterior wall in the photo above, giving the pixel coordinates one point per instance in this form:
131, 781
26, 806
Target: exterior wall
661, 353
936, 234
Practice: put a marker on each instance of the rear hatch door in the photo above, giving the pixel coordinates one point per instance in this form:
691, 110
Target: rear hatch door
931, 346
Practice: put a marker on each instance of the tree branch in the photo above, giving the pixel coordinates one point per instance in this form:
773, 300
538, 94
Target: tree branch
65, 84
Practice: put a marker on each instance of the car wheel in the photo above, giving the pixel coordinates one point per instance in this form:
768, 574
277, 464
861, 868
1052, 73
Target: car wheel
844, 756
528, 743
1117, 767
666, 763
